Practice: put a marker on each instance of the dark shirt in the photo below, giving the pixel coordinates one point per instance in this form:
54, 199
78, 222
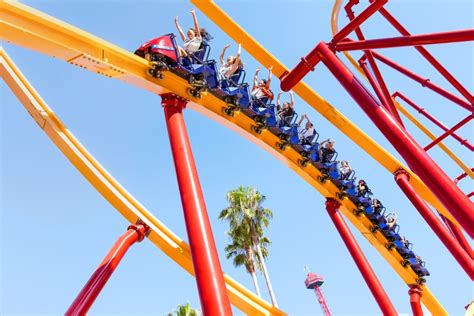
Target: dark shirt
327, 154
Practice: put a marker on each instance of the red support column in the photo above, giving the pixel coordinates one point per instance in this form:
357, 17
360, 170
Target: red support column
409, 40
430, 173
207, 269
415, 300
332, 207
97, 281
462, 257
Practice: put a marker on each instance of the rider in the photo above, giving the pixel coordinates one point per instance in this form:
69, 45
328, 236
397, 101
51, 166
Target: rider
261, 89
345, 170
327, 152
305, 134
231, 65
286, 112
193, 41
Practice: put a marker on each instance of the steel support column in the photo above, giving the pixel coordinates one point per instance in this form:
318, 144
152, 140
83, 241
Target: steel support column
207, 269
462, 257
332, 207
97, 281
415, 297
430, 173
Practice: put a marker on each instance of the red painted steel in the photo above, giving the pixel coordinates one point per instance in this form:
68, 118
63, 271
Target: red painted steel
437, 181
461, 176
458, 235
449, 132
465, 142
462, 257
208, 272
386, 306
409, 40
415, 300
358, 20
97, 281
381, 88
289, 79
425, 82
430, 58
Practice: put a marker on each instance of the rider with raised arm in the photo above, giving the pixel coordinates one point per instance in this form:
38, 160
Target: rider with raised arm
286, 112
261, 89
193, 41
305, 134
230, 66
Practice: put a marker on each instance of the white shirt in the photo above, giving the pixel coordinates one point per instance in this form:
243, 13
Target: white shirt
306, 133
193, 45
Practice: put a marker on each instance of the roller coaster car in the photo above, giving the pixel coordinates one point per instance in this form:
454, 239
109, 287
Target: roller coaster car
162, 53
234, 91
418, 266
404, 248
304, 146
376, 214
391, 233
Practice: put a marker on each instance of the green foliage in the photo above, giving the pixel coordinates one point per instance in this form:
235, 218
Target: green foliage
247, 219
185, 310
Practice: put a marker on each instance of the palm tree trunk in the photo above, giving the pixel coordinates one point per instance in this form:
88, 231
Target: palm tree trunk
255, 283
250, 255
267, 277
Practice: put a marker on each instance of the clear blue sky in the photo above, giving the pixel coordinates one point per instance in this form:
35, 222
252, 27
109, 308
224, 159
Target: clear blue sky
55, 228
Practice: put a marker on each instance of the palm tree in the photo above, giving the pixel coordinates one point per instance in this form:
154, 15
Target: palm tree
241, 249
185, 310
249, 218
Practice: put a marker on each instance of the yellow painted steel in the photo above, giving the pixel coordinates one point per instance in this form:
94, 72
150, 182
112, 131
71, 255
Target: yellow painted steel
334, 28
32, 29
253, 47
112, 191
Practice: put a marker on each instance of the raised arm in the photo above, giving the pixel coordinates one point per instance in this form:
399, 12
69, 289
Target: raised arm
278, 100
255, 78
196, 24
180, 31
269, 80
236, 63
292, 98
223, 53
302, 118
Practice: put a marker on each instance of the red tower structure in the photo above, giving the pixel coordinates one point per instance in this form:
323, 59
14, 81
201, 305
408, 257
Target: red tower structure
314, 281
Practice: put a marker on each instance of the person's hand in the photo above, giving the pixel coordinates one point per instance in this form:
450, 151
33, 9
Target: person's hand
257, 70
227, 46
291, 91
280, 92
192, 11
176, 19
270, 68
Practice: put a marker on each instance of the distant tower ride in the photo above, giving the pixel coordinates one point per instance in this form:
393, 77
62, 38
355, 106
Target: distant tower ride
314, 281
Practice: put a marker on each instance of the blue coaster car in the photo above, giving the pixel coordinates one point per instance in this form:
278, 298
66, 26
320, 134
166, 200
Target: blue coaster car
390, 233
375, 214
305, 145
326, 166
234, 91
418, 266
404, 248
